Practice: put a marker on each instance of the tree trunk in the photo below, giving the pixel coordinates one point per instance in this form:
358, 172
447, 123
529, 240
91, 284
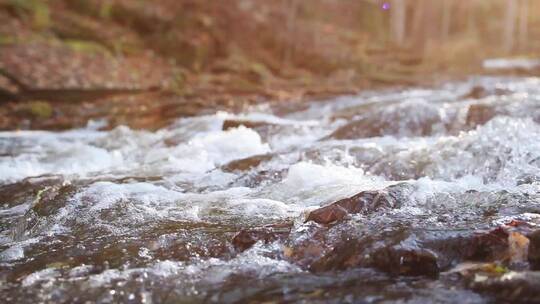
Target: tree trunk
523, 24
510, 25
418, 30
446, 17
291, 10
471, 21
398, 21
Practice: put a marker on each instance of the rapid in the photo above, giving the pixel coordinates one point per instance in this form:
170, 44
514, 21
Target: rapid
229, 208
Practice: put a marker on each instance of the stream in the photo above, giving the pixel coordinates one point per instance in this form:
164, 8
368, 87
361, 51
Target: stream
392, 196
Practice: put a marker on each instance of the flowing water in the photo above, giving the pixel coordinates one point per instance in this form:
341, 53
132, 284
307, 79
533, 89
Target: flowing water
150, 217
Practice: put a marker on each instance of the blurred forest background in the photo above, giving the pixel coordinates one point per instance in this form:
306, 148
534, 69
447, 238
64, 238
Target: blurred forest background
143, 63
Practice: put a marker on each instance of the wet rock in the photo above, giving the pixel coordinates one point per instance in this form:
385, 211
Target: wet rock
512, 287
534, 250
409, 262
328, 214
407, 252
313, 247
189, 244
48, 201
479, 114
51, 199
486, 246
364, 202
528, 179
258, 178
403, 250
350, 113
348, 253
357, 129
404, 119
476, 92
232, 123
26, 190
246, 238
246, 163
389, 251
503, 244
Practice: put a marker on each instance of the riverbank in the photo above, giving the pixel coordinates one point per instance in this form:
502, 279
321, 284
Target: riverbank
64, 63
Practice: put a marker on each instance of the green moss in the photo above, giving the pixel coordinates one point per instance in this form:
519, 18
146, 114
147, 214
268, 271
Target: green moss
40, 109
83, 7
500, 269
244, 85
178, 84
261, 71
38, 9
85, 46
202, 53
40, 194
105, 10
57, 265
7, 39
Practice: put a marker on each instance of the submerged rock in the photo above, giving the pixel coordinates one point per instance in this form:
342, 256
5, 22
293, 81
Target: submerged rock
403, 261
412, 118
26, 190
401, 250
477, 92
527, 179
511, 287
479, 114
363, 202
232, 123
48, 201
246, 238
246, 163
534, 250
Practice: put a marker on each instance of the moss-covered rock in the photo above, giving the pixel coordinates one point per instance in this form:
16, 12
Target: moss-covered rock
39, 109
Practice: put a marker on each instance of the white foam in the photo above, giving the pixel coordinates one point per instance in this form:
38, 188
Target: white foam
12, 254
47, 274
207, 151
67, 159
123, 151
426, 187
309, 184
511, 63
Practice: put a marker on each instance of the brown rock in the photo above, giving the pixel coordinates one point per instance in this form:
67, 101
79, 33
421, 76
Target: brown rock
402, 251
512, 287
392, 119
534, 250
363, 202
328, 214
246, 238
479, 114
246, 163
476, 92
409, 262
232, 123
